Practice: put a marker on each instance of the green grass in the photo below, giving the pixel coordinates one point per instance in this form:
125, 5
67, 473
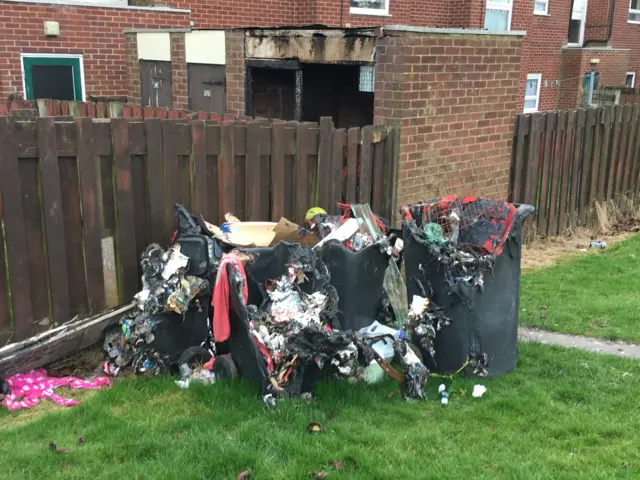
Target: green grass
596, 294
562, 414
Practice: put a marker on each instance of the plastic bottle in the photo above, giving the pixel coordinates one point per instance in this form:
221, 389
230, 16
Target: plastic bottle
444, 395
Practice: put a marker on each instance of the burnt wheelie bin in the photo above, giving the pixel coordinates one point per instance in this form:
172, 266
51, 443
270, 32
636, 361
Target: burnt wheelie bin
463, 253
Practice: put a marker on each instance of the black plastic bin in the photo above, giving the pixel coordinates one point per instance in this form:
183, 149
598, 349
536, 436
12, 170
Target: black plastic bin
489, 320
358, 278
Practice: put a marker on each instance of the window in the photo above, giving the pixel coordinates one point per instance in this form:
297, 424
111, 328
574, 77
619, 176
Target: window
532, 92
541, 7
56, 77
576, 23
630, 81
498, 15
369, 7
367, 79
634, 11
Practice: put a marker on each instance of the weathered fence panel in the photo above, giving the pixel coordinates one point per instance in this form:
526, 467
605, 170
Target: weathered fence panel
74, 191
565, 161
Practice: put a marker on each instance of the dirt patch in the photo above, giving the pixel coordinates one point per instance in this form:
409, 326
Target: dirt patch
548, 251
82, 364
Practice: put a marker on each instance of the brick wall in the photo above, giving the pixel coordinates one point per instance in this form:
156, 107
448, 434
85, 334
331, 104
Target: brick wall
97, 33
133, 68
575, 63
627, 35
542, 50
455, 97
179, 80
234, 44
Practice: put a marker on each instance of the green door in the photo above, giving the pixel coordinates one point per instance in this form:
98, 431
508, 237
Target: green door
56, 78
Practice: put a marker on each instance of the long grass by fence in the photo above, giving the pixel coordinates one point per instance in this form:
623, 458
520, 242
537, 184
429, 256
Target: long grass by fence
565, 161
71, 188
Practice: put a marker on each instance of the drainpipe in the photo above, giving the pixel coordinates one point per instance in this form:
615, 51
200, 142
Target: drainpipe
611, 16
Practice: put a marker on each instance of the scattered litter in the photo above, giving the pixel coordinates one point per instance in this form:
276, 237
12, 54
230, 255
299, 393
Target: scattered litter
80, 441
27, 389
315, 427
244, 475
319, 475
337, 465
478, 391
444, 395
199, 375
598, 244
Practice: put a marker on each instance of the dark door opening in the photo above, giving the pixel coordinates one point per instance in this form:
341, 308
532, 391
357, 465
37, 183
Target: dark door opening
335, 91
207, 88
273, 93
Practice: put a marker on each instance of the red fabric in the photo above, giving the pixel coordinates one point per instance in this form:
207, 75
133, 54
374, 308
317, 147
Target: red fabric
220, 299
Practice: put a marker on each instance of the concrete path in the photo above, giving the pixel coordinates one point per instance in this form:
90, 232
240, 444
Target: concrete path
597, 345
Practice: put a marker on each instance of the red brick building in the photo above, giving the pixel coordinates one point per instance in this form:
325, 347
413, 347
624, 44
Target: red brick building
562, 36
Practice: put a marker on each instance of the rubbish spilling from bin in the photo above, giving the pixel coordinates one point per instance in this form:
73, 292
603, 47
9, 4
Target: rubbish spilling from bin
286, 305
463, 255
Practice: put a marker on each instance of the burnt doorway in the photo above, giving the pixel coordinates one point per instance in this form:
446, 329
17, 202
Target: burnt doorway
342, 92
56, 77
207, 87
155, 83
274, 89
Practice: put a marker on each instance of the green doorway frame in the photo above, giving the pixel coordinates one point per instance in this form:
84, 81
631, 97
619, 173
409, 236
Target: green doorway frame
73, 61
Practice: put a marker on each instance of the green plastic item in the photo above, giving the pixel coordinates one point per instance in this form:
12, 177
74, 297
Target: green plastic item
433, 234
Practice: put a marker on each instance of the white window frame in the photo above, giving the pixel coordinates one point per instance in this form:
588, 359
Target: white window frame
77, 56
633, 10
380, 12
538, 77
546, 7
633, 81
501, 6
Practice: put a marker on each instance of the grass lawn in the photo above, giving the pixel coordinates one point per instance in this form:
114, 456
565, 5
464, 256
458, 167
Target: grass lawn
562, 414
596, 295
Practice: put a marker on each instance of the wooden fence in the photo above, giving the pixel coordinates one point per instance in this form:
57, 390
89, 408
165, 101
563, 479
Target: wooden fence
32, 109
564, 161
67, 186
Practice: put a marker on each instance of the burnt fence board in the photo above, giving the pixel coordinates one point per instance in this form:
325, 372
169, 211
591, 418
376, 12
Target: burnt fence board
563, 162
67, 185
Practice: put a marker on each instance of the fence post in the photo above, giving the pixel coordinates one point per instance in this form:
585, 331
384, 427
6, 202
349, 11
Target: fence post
390, 191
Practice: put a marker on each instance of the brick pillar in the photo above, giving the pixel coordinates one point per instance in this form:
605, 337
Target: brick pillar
234, 44
133, 68
455, 97
179, 78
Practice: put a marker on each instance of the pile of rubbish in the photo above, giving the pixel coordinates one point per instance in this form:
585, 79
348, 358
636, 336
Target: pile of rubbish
295, 324
287, 305
172, 282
